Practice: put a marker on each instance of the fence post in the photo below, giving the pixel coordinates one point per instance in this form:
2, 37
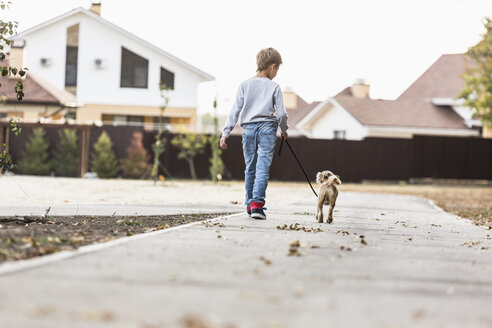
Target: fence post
84, 145
4, 137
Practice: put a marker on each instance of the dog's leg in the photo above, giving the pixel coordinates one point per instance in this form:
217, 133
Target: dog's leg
330, 213
319, 211
333, 200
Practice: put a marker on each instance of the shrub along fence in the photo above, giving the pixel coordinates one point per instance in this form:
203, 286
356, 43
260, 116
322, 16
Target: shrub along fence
353, 161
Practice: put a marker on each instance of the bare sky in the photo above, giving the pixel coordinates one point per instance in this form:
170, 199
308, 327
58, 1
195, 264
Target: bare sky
325, 44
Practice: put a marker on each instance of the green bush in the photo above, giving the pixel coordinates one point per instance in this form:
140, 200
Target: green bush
35, 157
65, 160
103, 158
189, 145
135, 165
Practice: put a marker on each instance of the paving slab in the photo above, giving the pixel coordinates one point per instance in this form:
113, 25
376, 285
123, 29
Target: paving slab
421, 267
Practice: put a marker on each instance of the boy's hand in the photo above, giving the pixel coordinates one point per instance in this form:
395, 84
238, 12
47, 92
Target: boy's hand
285, 135
223, 144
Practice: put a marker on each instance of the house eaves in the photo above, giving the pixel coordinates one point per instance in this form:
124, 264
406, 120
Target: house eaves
446, 102
314, 114
95, 16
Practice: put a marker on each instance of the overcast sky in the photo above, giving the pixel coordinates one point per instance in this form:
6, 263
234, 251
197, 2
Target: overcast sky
325, 44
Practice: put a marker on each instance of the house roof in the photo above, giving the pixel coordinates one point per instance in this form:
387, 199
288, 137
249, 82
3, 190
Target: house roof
37, 92
295, 116
97, 17
414, 108
441, 80
412, 112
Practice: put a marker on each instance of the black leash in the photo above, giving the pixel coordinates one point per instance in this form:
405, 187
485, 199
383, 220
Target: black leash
292, 151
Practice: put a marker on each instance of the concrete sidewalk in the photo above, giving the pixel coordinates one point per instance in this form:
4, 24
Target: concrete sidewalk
421, 267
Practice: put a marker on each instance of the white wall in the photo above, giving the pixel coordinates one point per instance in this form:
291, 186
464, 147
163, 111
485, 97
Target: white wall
102, 86
409, 132
334, 118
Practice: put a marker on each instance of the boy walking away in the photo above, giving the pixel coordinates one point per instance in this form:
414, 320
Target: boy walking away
260, 103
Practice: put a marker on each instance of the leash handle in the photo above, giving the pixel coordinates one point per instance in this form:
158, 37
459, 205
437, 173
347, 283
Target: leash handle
298, 162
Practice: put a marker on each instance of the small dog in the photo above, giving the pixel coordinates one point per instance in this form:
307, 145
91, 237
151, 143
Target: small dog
327, 194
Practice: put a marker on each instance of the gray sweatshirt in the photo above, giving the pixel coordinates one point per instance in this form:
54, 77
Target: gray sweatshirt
258, 99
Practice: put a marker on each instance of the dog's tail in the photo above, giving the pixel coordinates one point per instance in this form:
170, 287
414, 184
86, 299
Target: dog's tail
334, 180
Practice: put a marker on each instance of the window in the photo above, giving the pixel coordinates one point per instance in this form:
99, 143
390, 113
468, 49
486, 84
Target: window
165, 120
71, 67
71, 58
339, 134
167, 78
134, 70
135, 119
71, 115
3, 115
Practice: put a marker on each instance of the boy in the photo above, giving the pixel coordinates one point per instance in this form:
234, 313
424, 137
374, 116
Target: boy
260, 102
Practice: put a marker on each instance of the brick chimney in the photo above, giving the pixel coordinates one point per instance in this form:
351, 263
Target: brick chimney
96, 7
16, 55
360, 89
290, 98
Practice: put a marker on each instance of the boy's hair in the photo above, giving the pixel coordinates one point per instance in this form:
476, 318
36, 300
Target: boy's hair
266, 57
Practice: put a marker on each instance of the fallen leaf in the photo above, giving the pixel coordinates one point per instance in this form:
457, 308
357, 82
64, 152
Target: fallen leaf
264, 260
297, 227
470, 243
77, 239
294, 248
295, 243
419, 313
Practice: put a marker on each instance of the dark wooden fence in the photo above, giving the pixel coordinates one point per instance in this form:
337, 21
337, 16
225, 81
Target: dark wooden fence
353, 161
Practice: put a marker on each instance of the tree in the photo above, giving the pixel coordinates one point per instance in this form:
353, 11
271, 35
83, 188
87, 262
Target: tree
158, 146
216, 164
35, 157
135, 164
7, 30
66, 160
477, 93
103, 158
190, 145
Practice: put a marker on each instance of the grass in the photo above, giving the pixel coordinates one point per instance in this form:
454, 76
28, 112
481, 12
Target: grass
127, 221
471, 202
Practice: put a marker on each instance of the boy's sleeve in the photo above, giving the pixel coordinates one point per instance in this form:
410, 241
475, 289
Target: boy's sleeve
281, 113
234, 113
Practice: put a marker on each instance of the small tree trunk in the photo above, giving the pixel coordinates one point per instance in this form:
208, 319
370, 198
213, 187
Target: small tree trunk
192, 167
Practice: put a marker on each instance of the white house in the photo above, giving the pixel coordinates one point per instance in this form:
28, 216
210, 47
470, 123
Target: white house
114, 74
427, 107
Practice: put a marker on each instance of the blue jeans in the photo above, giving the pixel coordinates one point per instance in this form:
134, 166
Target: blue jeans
258, 148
